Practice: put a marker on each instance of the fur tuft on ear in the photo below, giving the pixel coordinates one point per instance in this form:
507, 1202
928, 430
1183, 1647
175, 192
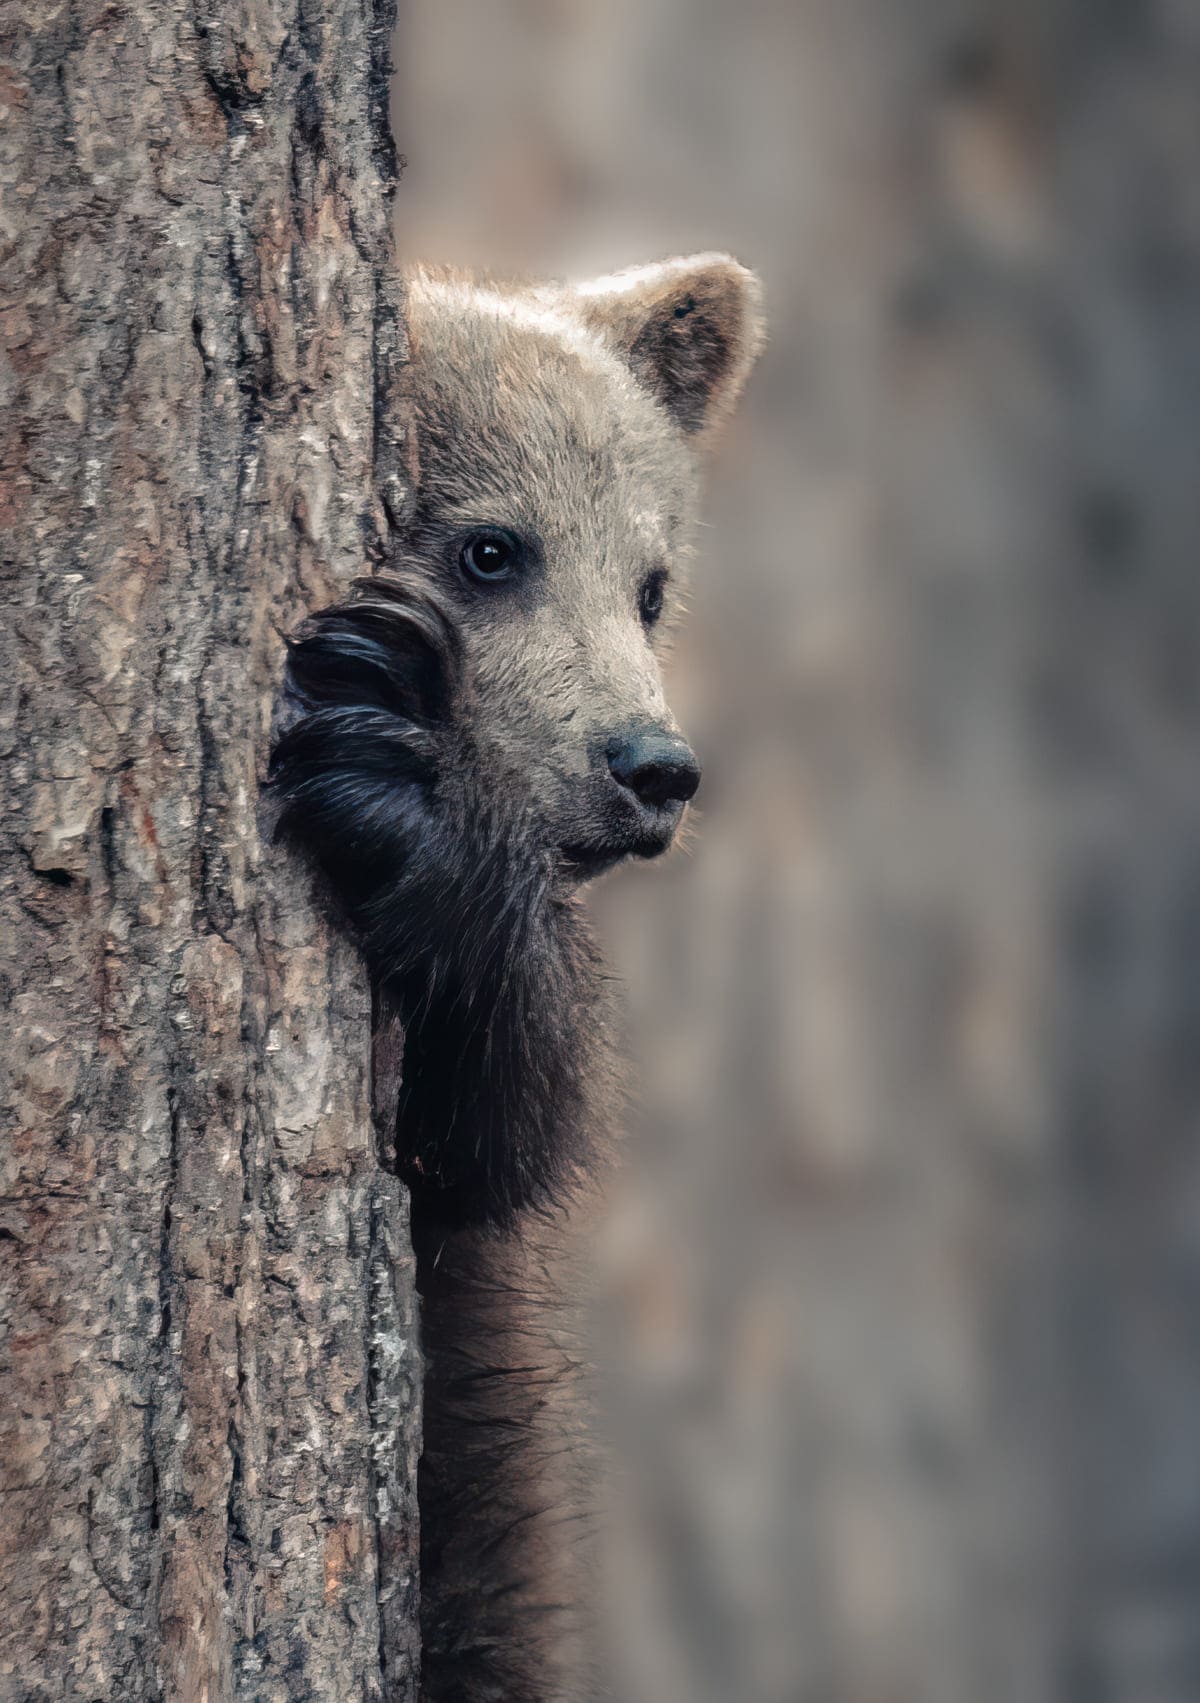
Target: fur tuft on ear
689, 328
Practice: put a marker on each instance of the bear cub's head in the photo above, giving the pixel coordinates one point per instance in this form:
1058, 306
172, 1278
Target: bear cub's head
484, 726
558, 435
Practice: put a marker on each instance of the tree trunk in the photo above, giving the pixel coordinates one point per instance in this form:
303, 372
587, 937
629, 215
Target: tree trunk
209, 1396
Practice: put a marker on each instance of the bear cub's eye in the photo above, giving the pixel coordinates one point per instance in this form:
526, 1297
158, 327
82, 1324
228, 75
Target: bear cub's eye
650, 598
490, 556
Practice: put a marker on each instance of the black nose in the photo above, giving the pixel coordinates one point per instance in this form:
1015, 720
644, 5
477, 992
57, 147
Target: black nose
658, 768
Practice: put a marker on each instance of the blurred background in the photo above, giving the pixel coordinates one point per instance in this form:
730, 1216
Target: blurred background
901, 1337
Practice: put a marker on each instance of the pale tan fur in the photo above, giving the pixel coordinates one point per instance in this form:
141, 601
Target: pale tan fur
577, 416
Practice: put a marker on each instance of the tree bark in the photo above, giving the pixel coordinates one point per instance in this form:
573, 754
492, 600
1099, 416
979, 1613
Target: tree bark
209, 1396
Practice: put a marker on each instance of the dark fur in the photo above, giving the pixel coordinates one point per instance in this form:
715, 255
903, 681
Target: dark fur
432, 854
506, 1476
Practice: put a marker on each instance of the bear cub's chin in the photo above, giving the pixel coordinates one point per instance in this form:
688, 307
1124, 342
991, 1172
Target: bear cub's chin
583, 863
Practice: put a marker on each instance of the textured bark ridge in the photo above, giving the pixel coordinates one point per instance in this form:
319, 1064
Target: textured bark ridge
209, 1380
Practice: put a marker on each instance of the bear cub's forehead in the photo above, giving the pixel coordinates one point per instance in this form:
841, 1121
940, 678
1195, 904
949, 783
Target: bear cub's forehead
525, 414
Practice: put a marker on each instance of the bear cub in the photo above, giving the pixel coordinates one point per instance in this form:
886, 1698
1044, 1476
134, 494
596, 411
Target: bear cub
475, 736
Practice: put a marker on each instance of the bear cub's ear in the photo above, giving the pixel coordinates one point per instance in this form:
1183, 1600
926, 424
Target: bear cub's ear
689, 328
